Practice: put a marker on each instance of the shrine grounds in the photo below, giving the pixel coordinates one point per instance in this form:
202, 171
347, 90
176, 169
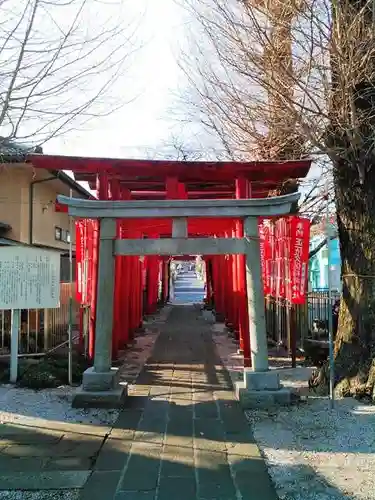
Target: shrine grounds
49, 450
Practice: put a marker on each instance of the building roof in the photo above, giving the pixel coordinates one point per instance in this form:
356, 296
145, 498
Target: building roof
16, 152
71, 183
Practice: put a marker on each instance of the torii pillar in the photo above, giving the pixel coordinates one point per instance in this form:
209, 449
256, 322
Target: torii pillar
100, 385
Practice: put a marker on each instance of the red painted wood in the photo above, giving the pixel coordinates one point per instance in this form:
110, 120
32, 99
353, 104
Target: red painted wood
182, 191
139, 308
236, 298
125, 284
115, 194
195, 171
243, 191
171, 188
159, 179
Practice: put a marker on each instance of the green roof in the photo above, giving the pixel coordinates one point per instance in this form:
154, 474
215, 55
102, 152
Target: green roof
12, 151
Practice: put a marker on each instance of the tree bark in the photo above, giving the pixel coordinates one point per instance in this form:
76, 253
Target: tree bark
355, 340
354, 180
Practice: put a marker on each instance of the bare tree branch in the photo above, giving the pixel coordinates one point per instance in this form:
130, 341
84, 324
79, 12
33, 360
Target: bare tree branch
59, 63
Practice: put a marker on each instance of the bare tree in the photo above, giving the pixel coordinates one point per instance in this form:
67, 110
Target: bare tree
235, 99
176, 148
286, 78
184, 145
59, 61
229, 101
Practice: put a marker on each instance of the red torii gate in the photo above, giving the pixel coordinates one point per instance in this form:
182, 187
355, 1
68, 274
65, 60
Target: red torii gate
129, 179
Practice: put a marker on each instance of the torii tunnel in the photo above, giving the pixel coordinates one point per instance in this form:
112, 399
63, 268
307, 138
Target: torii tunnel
138, 280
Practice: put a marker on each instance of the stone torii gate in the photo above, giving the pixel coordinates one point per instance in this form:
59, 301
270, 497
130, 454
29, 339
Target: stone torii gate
100, 386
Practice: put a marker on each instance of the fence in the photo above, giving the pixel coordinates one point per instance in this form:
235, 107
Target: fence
41, 329
284, 322
44, 329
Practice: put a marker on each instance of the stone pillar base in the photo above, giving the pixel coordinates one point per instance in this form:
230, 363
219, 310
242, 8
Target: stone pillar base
208, 316
100, 390
100, 381
112, 399
263, 390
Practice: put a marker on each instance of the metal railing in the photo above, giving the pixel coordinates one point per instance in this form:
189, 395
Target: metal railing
45, 329
41, 329
284, 321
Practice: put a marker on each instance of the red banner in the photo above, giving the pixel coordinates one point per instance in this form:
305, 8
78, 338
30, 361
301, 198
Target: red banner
79, 258
266, 241
299, 258
86, 235
91, 259
280, 258
284, 248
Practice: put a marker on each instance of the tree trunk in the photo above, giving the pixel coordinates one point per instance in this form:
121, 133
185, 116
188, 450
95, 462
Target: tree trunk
354, 179
355, 340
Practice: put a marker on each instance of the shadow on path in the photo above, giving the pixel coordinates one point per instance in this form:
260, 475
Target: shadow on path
181, 437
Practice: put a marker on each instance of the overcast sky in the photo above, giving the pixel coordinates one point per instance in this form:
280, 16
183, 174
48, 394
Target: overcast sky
153, 78
146, 123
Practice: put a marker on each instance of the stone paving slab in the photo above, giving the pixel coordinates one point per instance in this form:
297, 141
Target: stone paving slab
184, 436
34, 459
46, 427
35, 453
54, 480
101, 485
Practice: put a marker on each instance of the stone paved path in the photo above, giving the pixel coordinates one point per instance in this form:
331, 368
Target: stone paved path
188, 288
183, 436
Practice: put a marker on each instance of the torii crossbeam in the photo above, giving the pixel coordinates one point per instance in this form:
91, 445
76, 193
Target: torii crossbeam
100, 382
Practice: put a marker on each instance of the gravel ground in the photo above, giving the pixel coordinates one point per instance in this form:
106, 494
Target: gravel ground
26, 406
40, 495
312, 452
19, 405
